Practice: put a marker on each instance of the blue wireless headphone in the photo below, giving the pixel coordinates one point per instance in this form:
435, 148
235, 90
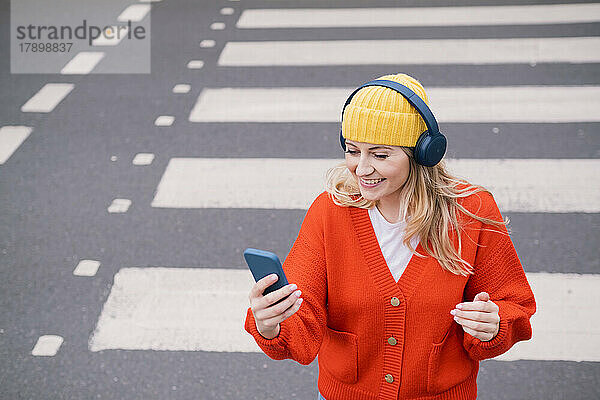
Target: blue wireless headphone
431, 145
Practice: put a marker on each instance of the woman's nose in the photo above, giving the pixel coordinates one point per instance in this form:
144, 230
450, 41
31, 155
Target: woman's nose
364, 167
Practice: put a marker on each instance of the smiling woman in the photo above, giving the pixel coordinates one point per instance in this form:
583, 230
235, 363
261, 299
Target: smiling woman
381, 130
395, 303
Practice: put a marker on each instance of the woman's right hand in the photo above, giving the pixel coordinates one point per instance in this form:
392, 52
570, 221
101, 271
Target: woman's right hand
268, 315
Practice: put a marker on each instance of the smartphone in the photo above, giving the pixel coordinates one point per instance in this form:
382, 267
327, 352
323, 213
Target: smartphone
263, 263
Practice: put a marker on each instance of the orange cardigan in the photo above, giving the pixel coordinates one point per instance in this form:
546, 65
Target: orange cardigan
378, 339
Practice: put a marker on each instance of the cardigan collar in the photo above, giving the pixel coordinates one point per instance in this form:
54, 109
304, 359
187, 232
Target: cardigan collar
380, 271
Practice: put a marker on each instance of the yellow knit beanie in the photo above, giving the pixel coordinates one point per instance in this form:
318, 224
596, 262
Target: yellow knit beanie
380, 115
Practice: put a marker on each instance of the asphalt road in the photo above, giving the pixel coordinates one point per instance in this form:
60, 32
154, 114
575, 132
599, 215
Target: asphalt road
56, 187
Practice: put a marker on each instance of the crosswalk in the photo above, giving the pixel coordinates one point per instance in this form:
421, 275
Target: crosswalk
159, 308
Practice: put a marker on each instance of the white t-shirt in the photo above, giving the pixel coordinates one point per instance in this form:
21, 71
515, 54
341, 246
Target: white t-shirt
396, 254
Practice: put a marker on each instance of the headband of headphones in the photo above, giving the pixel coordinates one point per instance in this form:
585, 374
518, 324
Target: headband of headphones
431, 145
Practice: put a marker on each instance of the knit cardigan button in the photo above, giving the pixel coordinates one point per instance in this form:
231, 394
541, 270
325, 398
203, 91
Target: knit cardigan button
389, 378
395, 302
392, 341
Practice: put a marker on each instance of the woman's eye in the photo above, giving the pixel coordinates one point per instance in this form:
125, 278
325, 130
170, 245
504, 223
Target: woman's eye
378, 156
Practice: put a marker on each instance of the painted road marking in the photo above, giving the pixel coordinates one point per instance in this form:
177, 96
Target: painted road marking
419, 16
405, 52
529, 104
181, 88
518, 185
207, 43
47, 345
143, 159
173, 309
134, 13
83, 63
217, 26
195, 64
48, 97
565, 325
11, 137
164, 120
112, 36
87, 268
119, 206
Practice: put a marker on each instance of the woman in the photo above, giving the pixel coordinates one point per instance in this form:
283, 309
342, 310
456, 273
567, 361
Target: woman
408, 274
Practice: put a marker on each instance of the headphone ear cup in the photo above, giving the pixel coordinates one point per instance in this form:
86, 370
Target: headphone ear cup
430, 149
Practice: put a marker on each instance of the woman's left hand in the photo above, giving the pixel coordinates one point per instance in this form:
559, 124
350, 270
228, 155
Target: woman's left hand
478, 318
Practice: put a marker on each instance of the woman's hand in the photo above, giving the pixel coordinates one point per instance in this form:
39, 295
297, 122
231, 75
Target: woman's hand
269, 316
478, 318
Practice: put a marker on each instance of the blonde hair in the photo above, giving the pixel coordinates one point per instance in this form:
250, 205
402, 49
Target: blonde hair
429, 198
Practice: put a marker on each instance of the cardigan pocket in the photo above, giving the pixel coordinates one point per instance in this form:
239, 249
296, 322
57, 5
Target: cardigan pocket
339, 355
449, 363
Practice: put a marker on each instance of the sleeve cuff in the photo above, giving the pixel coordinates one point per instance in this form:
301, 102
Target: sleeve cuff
499, 338
481, 350
274, 348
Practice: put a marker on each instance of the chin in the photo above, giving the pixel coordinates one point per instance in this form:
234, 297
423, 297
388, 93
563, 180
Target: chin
369, 196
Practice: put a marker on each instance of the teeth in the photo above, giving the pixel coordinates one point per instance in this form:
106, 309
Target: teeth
372, 181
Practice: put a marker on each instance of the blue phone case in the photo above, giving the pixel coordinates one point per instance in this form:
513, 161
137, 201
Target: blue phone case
263, 263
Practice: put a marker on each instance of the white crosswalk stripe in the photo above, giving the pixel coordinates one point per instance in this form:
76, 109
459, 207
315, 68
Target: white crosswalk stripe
419, 16
409, 52
547, 185
173, 309
530, 104
564, 326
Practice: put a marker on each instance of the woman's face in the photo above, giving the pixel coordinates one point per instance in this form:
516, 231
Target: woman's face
381, 171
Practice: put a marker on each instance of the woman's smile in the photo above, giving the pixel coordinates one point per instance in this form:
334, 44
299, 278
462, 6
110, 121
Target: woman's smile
371, 183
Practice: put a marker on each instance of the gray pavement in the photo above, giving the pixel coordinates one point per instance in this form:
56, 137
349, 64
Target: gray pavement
55, 189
